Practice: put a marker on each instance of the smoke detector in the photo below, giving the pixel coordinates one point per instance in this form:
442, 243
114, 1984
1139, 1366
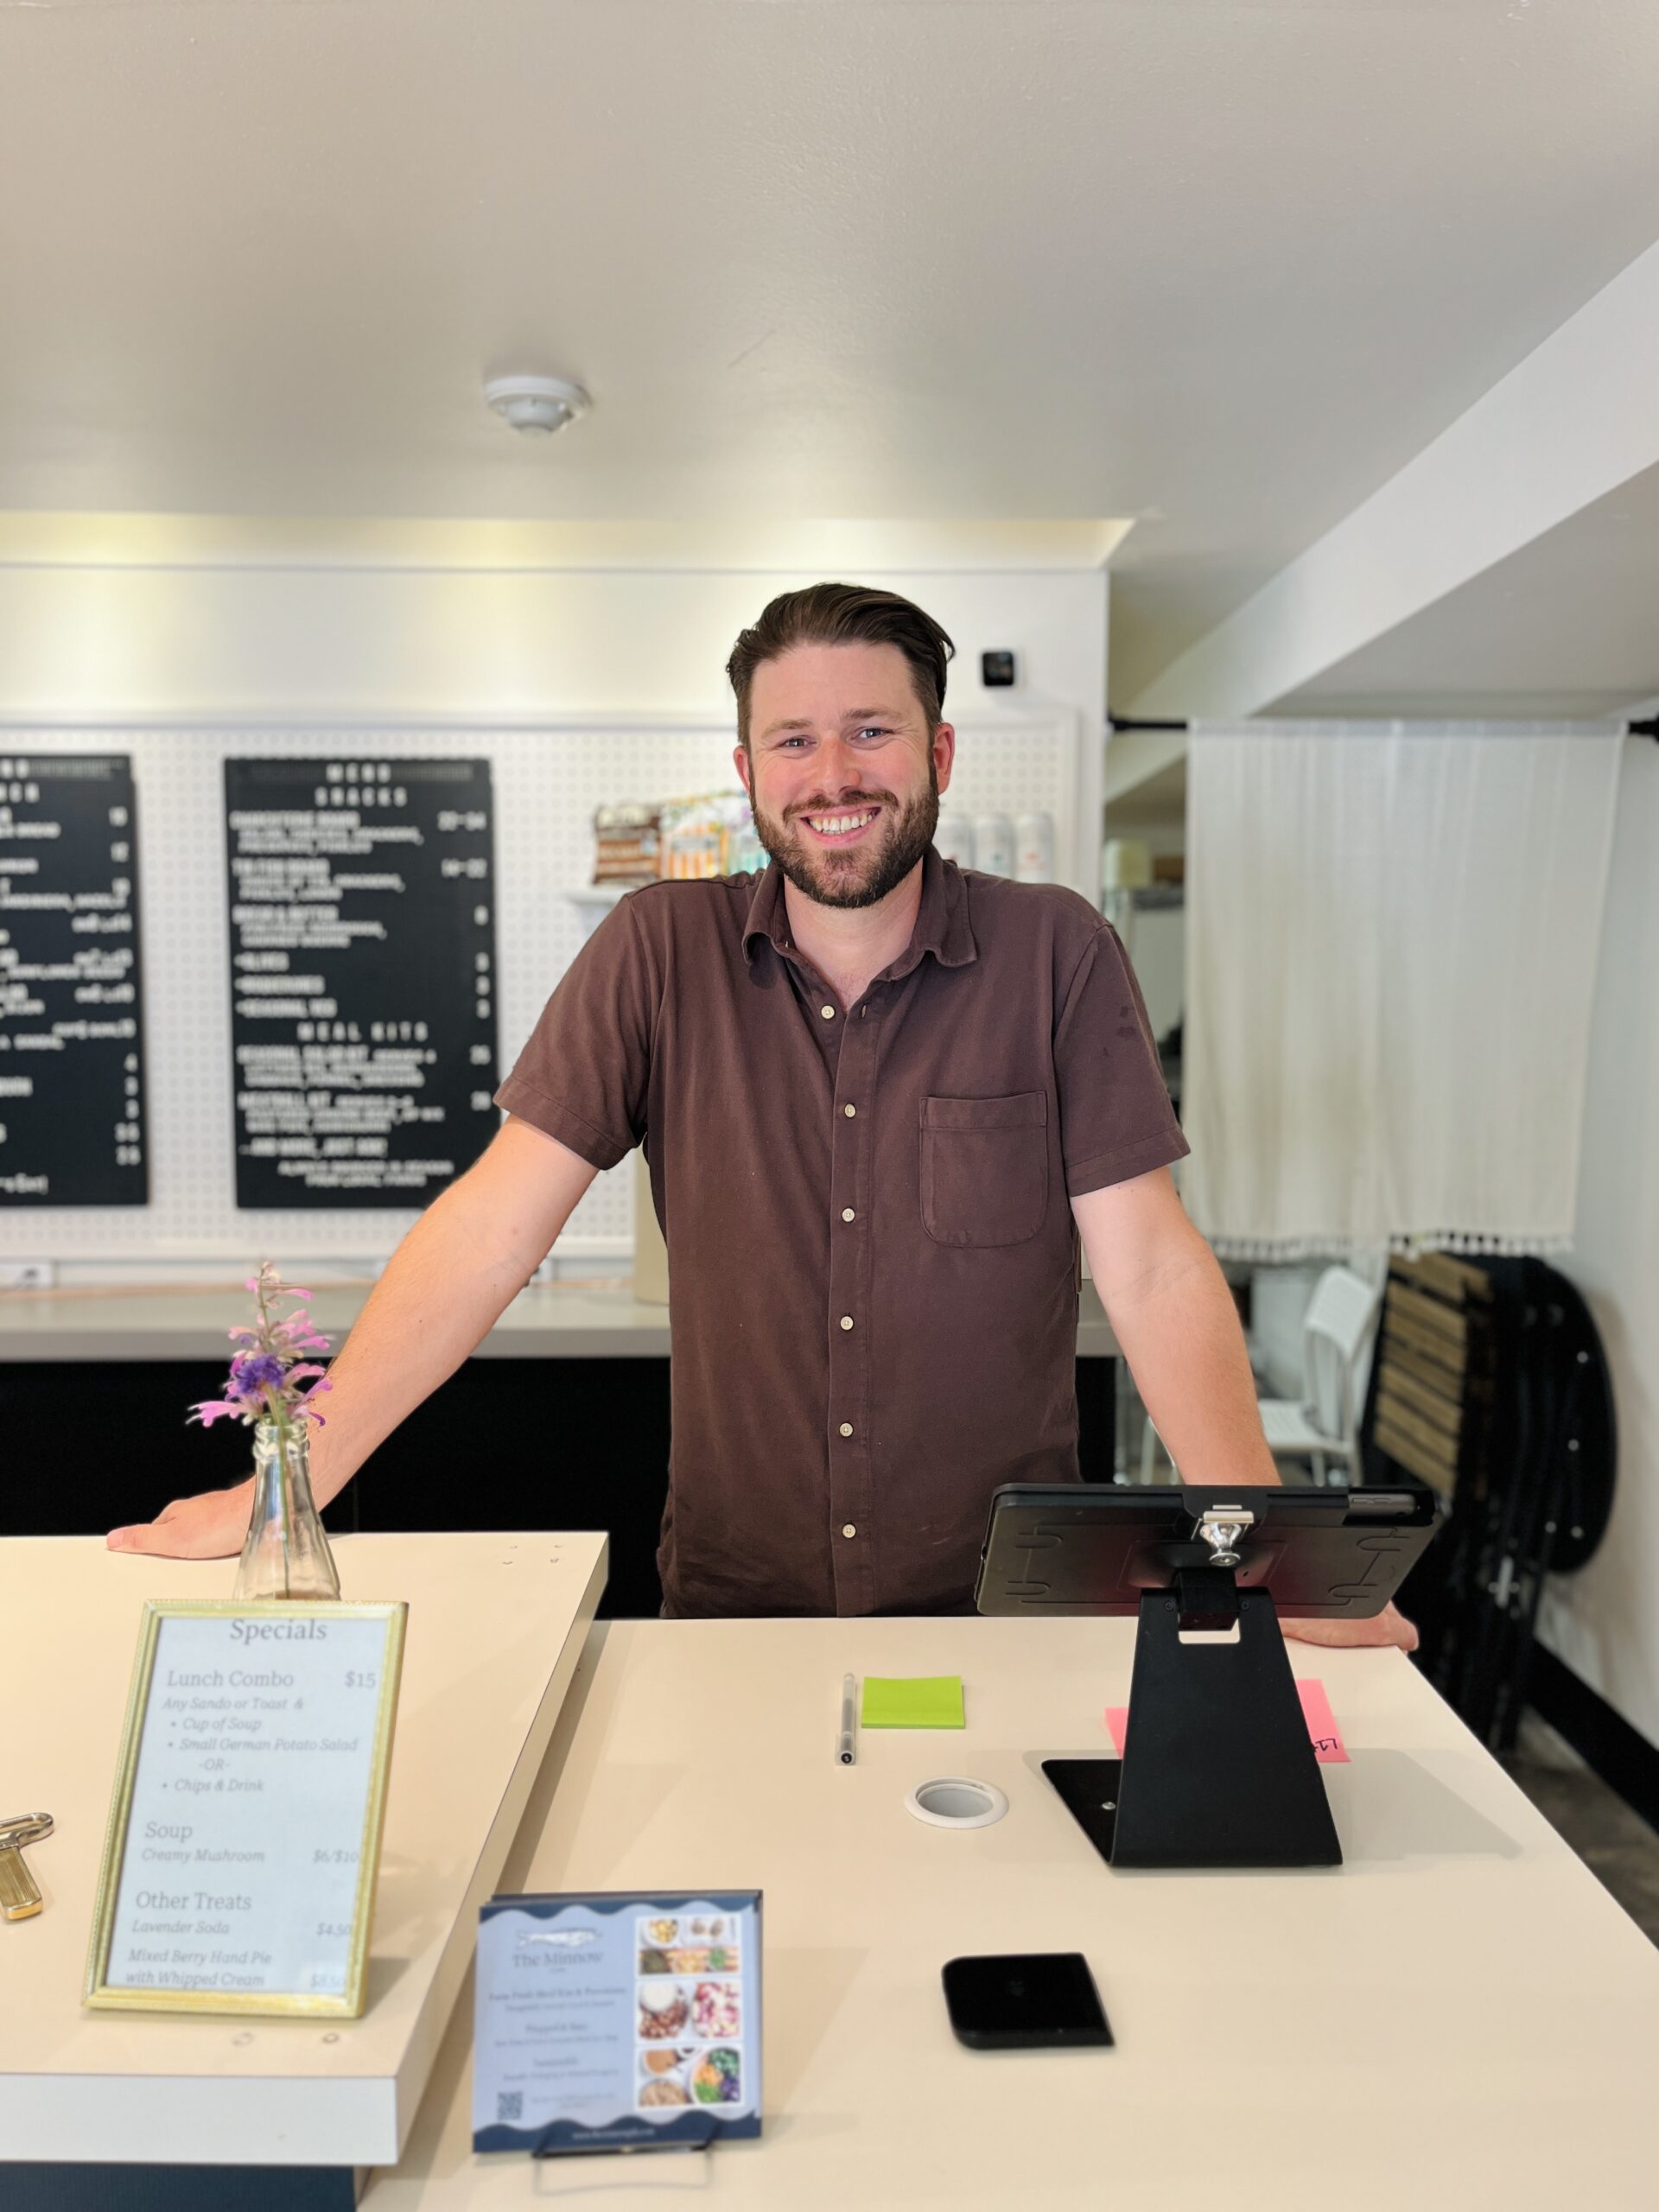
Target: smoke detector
536, 405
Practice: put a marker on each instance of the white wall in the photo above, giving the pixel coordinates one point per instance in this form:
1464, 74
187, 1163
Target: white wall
1156, 939
1604, 1622
365, 642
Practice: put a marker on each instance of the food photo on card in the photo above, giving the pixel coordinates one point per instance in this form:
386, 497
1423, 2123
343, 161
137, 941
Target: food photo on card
617, 2021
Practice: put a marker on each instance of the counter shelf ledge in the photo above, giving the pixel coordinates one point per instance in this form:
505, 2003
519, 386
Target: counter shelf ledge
132, 2112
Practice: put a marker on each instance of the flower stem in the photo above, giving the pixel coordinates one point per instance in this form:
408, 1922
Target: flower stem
284, 1488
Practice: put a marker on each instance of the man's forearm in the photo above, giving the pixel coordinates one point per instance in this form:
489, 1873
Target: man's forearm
439, 1298
1180, 1332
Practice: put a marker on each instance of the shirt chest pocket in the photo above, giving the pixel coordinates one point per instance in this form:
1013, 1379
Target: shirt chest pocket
984, 1169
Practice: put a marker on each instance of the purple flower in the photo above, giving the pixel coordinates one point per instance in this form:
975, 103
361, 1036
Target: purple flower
209, 1411
254, 1373
269, 1367
298, 1334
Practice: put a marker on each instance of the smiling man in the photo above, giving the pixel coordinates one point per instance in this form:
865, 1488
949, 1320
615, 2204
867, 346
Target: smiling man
882, 1099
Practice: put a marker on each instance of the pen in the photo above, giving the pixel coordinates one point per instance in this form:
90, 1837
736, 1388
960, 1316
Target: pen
844, 1752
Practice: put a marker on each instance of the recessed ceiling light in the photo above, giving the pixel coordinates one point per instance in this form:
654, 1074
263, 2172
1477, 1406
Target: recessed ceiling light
536, 405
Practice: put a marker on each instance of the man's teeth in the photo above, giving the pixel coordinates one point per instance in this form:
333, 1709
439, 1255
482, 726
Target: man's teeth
833, 825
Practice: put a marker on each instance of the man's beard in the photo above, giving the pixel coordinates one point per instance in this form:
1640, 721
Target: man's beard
867, 874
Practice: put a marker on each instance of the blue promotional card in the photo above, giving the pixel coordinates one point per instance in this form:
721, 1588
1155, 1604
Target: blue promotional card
610, 2022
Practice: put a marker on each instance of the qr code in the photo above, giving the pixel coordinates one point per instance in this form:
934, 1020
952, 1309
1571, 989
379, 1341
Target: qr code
509, 2104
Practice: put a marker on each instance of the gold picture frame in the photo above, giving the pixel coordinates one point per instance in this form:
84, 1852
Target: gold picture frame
347, 2003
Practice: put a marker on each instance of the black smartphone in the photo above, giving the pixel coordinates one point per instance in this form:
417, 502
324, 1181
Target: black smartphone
1021, 2003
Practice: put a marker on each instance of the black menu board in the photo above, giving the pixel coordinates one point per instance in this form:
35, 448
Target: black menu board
362, 977
71, 1078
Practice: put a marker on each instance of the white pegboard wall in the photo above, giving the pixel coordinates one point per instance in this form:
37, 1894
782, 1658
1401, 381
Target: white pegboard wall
547, 781
1029, 767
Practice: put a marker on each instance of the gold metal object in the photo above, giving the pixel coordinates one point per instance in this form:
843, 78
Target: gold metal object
20, 1894
349, 2003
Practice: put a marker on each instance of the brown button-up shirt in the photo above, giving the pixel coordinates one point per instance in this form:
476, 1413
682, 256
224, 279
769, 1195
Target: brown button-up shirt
871, 1253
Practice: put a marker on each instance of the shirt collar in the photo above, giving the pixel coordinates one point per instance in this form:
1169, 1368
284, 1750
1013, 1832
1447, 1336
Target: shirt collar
942, 924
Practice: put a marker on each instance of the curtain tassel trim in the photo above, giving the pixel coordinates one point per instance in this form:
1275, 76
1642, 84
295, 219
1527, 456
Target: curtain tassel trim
1283, 1249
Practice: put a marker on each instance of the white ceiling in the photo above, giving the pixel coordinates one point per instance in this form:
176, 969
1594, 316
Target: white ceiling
1567, 625
1220, 268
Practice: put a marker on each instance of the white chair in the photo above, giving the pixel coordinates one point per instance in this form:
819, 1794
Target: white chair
1323, 1424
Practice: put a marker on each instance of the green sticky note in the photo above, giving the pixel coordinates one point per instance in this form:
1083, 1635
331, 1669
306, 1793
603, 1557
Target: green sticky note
913, 1701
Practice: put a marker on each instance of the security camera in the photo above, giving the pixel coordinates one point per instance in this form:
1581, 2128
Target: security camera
536, 405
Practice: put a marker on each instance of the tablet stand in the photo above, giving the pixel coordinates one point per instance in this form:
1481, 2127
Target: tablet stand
1217, 1767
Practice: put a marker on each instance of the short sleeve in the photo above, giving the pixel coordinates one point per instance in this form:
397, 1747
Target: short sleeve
1116, 1117
585, 1075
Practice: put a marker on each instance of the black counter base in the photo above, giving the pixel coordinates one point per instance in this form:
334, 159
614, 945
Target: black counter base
504, 1444
37, 2188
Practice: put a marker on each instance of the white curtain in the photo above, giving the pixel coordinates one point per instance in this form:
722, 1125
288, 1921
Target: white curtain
1392, 938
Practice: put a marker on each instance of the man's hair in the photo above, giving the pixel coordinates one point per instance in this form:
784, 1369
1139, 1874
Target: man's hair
843, 614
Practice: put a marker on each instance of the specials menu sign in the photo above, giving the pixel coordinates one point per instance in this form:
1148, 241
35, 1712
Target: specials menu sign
240, 1864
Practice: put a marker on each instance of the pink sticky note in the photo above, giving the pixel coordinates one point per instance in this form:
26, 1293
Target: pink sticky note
1322, 1730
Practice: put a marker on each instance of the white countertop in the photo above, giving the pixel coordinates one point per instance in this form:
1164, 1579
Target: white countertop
546, 1321
1459, 2016
496, 1625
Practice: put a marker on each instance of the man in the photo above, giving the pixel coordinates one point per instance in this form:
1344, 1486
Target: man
881, 1101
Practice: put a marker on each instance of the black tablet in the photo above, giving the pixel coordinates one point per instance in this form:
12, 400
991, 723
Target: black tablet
1076, 1547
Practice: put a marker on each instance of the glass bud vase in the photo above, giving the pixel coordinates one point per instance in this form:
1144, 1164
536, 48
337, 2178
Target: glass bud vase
286, 1553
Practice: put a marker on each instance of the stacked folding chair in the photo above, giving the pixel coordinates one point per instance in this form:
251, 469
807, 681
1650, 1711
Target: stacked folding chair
1491, 1386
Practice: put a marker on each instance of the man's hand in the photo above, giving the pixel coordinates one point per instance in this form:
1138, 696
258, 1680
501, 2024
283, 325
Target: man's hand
1390, 1628
212, 1526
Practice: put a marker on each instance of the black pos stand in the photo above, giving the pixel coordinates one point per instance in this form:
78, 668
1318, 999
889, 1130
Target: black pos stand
1217, 1768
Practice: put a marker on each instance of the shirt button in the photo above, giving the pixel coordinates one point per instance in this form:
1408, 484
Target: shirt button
849, 1111
848, 1528
847, 1213
828, 1012
846, 1320
846, 1428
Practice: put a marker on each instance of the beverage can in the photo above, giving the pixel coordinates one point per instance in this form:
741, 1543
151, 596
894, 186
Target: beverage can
1033, 849
993, 844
